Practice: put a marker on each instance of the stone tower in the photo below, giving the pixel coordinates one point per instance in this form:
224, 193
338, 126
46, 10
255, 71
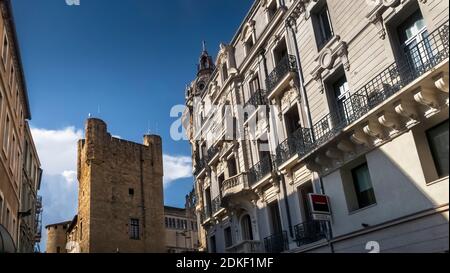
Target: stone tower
120, 204
56, 237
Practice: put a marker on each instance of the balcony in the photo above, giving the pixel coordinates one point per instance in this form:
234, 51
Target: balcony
310, 232
259, 98
276, 243
212, 153
285, 68
296, 144
246, 247
260, 170
234, 188
389, 104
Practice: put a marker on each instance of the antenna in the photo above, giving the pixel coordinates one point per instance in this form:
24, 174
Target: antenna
204, 46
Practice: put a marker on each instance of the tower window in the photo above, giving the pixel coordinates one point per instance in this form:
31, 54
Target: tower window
134, 229
131, 191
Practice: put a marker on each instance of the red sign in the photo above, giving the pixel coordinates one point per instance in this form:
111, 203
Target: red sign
320, 204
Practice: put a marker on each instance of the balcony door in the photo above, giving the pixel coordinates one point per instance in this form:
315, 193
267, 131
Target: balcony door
341, 94
275, 218
304, 191
246, 228
414, 41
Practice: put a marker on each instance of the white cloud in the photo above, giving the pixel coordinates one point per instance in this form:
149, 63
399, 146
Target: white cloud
57, 149
176, 167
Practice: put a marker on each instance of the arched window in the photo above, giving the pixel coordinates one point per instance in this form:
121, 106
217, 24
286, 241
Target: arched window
246, 228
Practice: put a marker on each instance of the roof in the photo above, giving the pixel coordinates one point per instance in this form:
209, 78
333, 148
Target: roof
59, 224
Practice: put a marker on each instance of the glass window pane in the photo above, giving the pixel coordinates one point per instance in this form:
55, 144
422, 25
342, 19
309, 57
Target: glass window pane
438, 141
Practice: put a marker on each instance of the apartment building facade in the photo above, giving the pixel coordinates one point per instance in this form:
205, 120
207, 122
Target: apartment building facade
340, 98
20, 171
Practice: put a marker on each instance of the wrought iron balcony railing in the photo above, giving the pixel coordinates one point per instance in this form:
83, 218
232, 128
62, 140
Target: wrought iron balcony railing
212, 152
257, 99
297, 143
216, 205
200, 165
417, 60
277, 243
260, 170
285, 66
310, 232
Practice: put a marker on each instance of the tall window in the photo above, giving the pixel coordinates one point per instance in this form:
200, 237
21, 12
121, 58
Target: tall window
228, 237
134, 229
212, 244
363, 186
5, 48
438, 141
6, 135
414, 41
341, 93
275, 218
292, 120
246, 227
1, 209
232, 167
254, 85
11, 77
224, 72
249, 45
272, 10
323, 28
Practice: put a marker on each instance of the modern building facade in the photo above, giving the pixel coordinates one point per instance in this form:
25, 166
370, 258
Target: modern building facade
20, 172
343, 98
120, 198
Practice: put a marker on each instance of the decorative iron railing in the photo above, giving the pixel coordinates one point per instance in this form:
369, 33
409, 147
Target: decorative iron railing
277, 243
260, 170
417, 60
200, 165
257, 99
310, 232
212, 152
297, 143
286, 65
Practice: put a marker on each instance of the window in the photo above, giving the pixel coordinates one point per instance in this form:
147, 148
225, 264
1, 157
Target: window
254, 85
6, 135
11, 77
224, 72
246, 227
232, 167
271, 10
341, 92
212, 244
1, 209
249, 45
58, 249
414, 40
292, 121
167, 222
322, 26
131, 191
5, 48
134, 229
438, 141
7, 220
81, 230
280, 53
228, 237
362, 182
275, 218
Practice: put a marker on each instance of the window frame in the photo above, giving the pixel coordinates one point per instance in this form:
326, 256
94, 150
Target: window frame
358, 191
135, 232
433, 149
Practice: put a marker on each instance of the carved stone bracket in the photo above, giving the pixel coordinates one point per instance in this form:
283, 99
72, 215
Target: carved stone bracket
407, 110
441, 82
375, 130
391, 121
428, 98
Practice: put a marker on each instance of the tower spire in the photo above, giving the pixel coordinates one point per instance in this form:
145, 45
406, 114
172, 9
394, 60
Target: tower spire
204, 46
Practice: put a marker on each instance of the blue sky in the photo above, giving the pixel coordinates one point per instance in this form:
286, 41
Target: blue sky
127, 62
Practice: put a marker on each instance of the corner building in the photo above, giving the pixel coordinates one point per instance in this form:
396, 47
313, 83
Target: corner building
356, 97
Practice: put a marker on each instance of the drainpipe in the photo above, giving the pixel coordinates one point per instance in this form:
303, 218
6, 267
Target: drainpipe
301, 79
286, 202
330, 230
